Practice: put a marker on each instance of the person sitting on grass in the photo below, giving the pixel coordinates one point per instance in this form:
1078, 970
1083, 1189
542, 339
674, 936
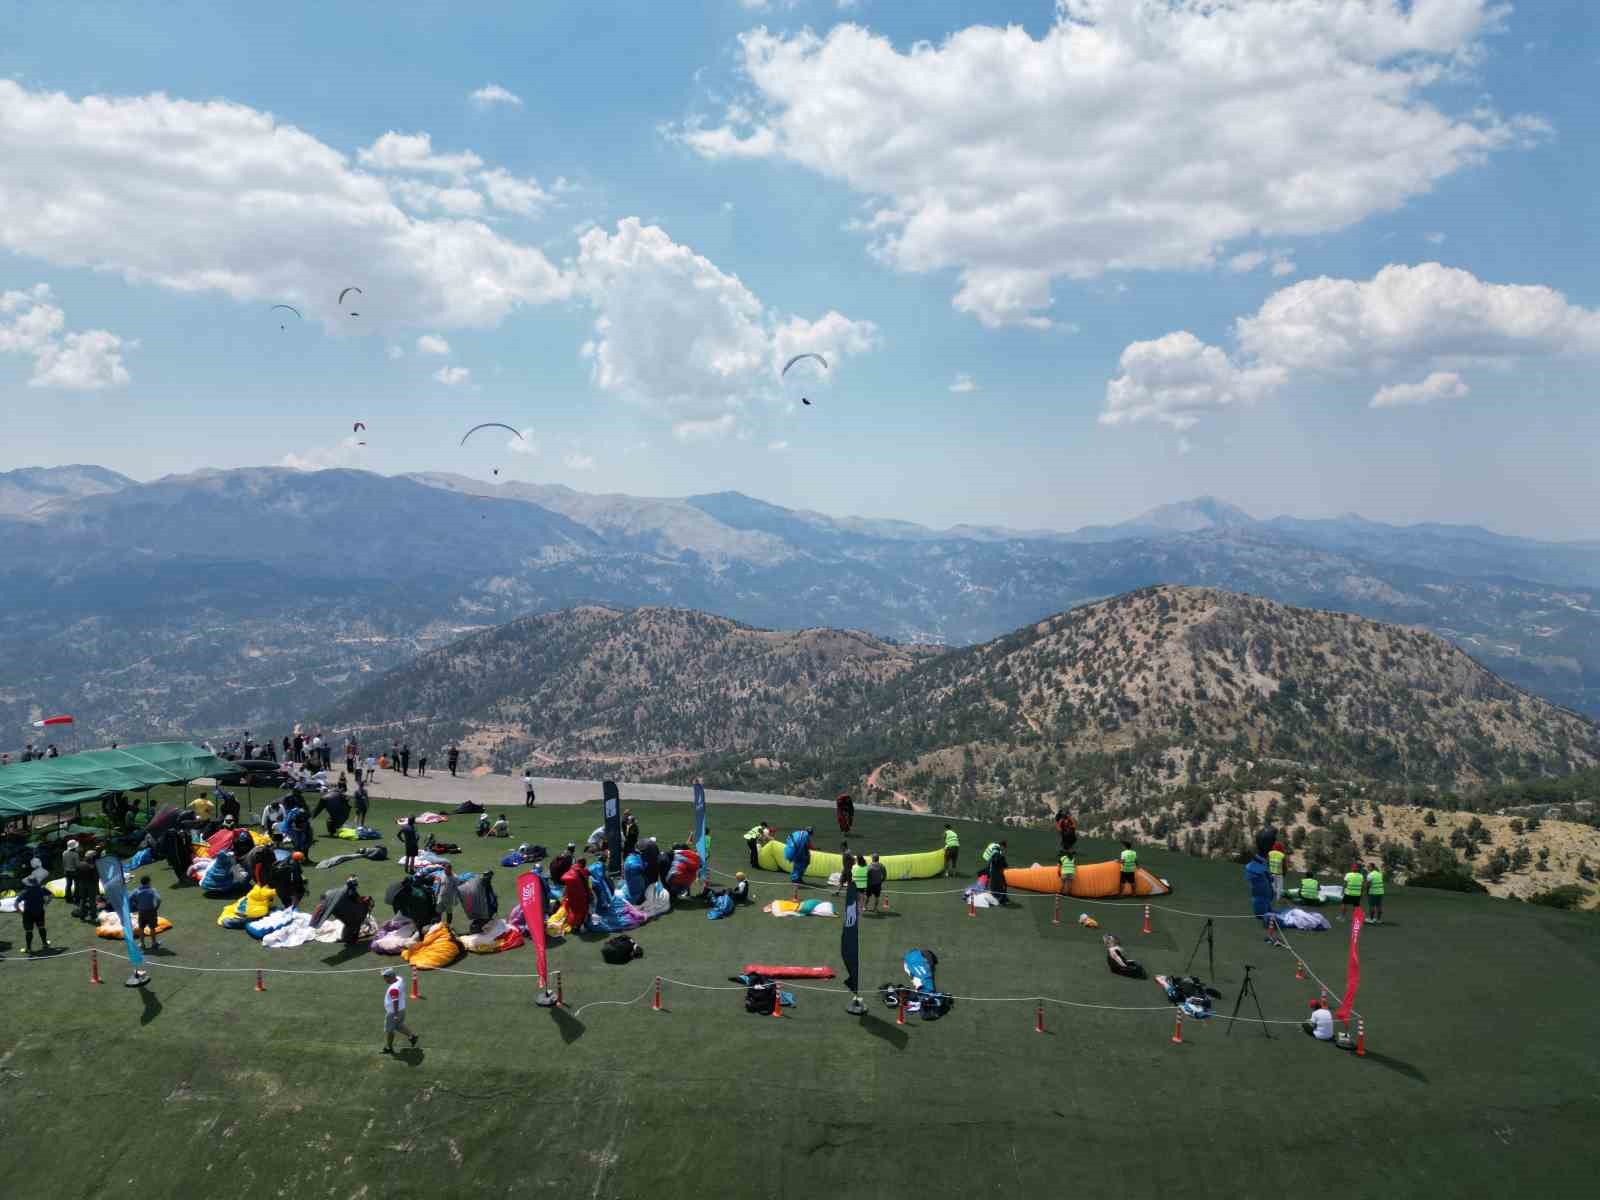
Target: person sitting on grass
1310, 891
500, 828
1320, 1024
145, 902
1117, 962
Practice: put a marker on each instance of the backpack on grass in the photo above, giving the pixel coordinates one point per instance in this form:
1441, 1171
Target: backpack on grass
621, 949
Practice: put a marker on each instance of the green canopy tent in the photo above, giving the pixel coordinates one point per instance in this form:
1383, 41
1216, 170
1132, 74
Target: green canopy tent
52, 785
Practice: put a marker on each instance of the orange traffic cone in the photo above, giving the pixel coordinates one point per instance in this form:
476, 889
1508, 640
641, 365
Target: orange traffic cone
900, 1009
416, 994
883, 902
1038, 1019
1146, 919
1056, 918
777, 1002
1361, 1037
261, 985
655, 1005
1299, 968
972, 906
1177, 1031
94, 967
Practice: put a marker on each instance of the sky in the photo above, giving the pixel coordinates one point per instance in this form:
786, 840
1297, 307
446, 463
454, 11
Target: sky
1064, 262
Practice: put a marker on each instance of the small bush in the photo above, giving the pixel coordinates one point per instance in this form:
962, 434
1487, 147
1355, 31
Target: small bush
1568, 896
1446, 881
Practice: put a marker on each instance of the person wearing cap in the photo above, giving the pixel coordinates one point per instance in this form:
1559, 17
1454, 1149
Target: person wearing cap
394, 1010
1320, 1024
69, 869
30, 903
630, 832
952, 850
1277, 866
144, 902
753, 837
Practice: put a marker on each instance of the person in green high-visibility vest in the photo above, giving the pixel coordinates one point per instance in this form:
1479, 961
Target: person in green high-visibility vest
989, 852
1310, 890
1354, 880
858, 875
1129, 858
1276, 860
952, 850
1069, 868
1375, 894
753, 837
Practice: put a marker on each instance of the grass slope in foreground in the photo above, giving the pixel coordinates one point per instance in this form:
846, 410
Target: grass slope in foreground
1481, 1080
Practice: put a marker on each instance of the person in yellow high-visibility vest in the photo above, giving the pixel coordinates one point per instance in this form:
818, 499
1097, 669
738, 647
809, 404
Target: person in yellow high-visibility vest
1354, 881
1375, 894
753, 837
1129, 858
1277, 860
1069, 868
1310, 890
952, 850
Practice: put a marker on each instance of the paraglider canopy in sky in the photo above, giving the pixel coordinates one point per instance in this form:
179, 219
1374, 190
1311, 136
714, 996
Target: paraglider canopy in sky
286, 308
517, 433
346, 292
50, 722
804, 375
358, 427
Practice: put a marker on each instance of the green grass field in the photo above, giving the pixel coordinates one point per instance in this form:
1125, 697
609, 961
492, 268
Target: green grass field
1482, 1076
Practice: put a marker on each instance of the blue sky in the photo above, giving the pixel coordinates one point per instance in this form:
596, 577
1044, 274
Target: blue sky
1067, 262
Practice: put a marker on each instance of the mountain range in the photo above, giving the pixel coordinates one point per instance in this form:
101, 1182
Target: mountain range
240, 598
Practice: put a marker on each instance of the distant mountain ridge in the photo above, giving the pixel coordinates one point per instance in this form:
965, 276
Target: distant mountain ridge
30, 488
227, 598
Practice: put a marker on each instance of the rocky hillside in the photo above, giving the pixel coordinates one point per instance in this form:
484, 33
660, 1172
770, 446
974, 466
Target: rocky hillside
638, 691
1112, 706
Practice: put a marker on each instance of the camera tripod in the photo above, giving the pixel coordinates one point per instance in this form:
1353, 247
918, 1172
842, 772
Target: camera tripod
1248, 988
1211, 951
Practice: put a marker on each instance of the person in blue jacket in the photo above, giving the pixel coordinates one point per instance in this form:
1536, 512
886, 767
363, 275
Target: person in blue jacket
797, 849
1259, 876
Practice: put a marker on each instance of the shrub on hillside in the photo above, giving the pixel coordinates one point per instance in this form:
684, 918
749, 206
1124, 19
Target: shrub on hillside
1568, 896
1446, 881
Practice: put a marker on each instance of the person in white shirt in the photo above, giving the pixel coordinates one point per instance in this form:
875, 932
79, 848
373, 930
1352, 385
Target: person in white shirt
372, 767
394, 1010
527, 789
1320, 1026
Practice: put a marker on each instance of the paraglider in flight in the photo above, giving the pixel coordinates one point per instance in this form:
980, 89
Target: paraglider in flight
497, 470
796, 359
492, 425
358, 427
346, 292
289, 308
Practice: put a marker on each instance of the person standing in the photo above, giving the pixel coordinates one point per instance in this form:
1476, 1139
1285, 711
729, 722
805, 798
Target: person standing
394, 1010
527, 789
69, 869
405, 759
145, 903
1066, 832
988, 854
1277, 861
88, 887
1375, 894
952, 851
30, 903
350, 753
1353, 883
1069, 871
876, 874
451, 759
408, 839
422, 764
1310, 890
846, 868
997, 875
753, 837
1129, 860
630, 834
372, 767
449, 894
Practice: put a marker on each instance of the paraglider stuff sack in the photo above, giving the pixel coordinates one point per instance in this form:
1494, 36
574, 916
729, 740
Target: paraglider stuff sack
621, 949
761, 997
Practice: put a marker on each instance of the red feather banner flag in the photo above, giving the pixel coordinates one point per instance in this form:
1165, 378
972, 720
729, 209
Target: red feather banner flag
530, 895
1352, 974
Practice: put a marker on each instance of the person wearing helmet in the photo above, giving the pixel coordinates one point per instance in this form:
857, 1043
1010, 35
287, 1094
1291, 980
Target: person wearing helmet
69, 869
289, 880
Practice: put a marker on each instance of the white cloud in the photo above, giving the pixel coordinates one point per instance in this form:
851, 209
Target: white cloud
1404, 320
524, 444
425, 197
395, 352
576, 460
88, 361
777, 447
506, 191
1127, 137
704, 431
678, 335
1283, 266
216, 196
963, 383
453, 376
1277, 262
320, 458
1434, 239
1439, 385
1184, 445
432, 343
414, 152
491, 94
1177, 379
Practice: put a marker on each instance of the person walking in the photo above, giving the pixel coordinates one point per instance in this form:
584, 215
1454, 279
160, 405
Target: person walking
1277, 862
372, 767
1129, 860
1354, 881
753, 837
144, 902
449, 894
451, 759
30, 903
861, 876
405, 759
952, 851
422, 763
846, 868
69, 869
1375, 894
394, 1010
876, 874
527, 789
88, 888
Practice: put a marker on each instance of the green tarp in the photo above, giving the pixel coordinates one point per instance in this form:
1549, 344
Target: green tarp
51, 784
